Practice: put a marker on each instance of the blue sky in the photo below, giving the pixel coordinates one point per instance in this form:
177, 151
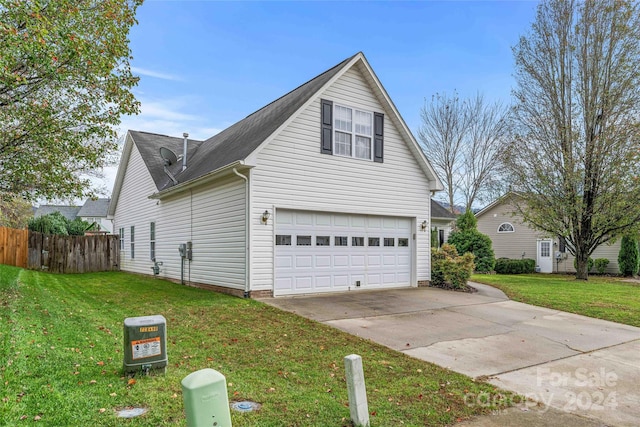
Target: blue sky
204, 65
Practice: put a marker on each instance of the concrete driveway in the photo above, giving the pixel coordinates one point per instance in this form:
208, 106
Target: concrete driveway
583, 370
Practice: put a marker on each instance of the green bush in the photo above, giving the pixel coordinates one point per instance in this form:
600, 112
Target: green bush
601, 265
56, 223
628, 256
450, 269
515, 266
467, 238
589, 264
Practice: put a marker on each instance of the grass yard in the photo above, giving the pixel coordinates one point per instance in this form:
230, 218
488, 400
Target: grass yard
606, 298
61, 359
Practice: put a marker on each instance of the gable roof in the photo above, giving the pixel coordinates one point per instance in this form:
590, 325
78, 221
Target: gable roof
94, 208
496, 202
440, 212
237, 143
69, 212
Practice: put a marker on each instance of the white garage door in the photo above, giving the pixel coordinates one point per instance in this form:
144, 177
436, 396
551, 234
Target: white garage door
323, 252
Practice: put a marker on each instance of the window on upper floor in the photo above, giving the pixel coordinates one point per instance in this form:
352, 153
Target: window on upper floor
506, 227
351, 132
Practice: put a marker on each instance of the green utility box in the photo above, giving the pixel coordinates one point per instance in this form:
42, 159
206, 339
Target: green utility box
205, 399
145, 343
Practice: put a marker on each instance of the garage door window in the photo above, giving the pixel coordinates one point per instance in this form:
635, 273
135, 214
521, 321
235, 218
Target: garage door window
323, 241
283, 240
303, 240
374, 241
389, 241
403, 242
357, 241
341, 241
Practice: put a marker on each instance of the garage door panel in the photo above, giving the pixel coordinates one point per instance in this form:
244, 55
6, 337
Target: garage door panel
323, 261
321, 252
304, 261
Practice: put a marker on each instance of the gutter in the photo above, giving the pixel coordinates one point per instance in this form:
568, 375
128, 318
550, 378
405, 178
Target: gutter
198, 181
246, 232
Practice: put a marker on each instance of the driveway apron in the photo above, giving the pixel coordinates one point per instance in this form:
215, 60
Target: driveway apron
574, 365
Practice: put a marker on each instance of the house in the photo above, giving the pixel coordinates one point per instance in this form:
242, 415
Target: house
69, 212
512, 238
324, 189
442, 221
95, 212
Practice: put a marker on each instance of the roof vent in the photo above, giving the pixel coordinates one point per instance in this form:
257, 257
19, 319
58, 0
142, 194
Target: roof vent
184, 151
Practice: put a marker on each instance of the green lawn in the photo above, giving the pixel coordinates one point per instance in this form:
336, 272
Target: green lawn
606, 298
61, 358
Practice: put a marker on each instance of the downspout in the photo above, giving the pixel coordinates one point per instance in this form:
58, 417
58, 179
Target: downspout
246, 233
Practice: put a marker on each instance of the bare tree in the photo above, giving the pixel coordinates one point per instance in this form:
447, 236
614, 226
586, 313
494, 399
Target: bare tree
444, 125
575, 154
465, 141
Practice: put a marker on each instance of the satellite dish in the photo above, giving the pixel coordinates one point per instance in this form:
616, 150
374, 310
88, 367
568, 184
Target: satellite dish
168, 156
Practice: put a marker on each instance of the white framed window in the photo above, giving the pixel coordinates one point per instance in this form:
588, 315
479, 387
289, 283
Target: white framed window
121, 233
152, 241
353, 132
132, 241
506, 227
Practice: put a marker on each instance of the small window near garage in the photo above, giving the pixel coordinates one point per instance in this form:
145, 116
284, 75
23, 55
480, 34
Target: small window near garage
389, 241
506, 227
303, 240
374, 241
357, 241
341, 241
403, 242
283, 240
323, 241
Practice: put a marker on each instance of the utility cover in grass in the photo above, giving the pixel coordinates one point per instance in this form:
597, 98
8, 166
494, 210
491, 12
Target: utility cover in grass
132, 412
245, 406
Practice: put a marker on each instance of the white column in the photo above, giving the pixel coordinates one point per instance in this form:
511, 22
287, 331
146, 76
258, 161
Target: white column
356, 390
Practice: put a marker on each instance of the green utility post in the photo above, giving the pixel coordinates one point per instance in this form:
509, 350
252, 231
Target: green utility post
205, 399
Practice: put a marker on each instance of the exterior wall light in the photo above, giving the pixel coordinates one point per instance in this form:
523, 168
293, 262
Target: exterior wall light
423, 226
265, 217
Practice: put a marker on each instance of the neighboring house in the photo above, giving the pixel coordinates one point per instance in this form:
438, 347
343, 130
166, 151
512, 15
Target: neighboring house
95, 211
512, 238
324, 189
69, 212
442, 221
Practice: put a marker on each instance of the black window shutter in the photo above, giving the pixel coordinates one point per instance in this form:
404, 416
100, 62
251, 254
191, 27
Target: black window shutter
326, 146
378, 140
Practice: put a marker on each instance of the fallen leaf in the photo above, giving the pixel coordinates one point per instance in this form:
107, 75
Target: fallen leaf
112, 394
102, 410
174, 395
100, 363
37, 418
131, 381
93, 382
24, 417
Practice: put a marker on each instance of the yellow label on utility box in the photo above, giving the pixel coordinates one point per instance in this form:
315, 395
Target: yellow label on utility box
149, 329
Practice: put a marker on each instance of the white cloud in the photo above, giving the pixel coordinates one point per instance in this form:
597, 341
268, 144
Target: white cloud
155, 74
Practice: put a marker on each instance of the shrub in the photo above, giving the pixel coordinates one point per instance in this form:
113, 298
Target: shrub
628, 256
467, 238
601, 265
515, 266
56, 223
589, 264
449, 269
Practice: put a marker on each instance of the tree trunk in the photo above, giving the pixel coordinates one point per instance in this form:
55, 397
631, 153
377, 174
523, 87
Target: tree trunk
582, 266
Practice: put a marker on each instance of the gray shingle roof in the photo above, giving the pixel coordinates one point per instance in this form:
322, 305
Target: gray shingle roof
439, 211
69, 212
94, 208
232, 144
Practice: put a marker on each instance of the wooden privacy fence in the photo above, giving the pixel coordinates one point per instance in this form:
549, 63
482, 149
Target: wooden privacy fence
14, 246
59, 254
73, 254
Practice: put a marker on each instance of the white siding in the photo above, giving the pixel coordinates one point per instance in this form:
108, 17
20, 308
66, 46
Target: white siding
211, 217
134, 208
291, 173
